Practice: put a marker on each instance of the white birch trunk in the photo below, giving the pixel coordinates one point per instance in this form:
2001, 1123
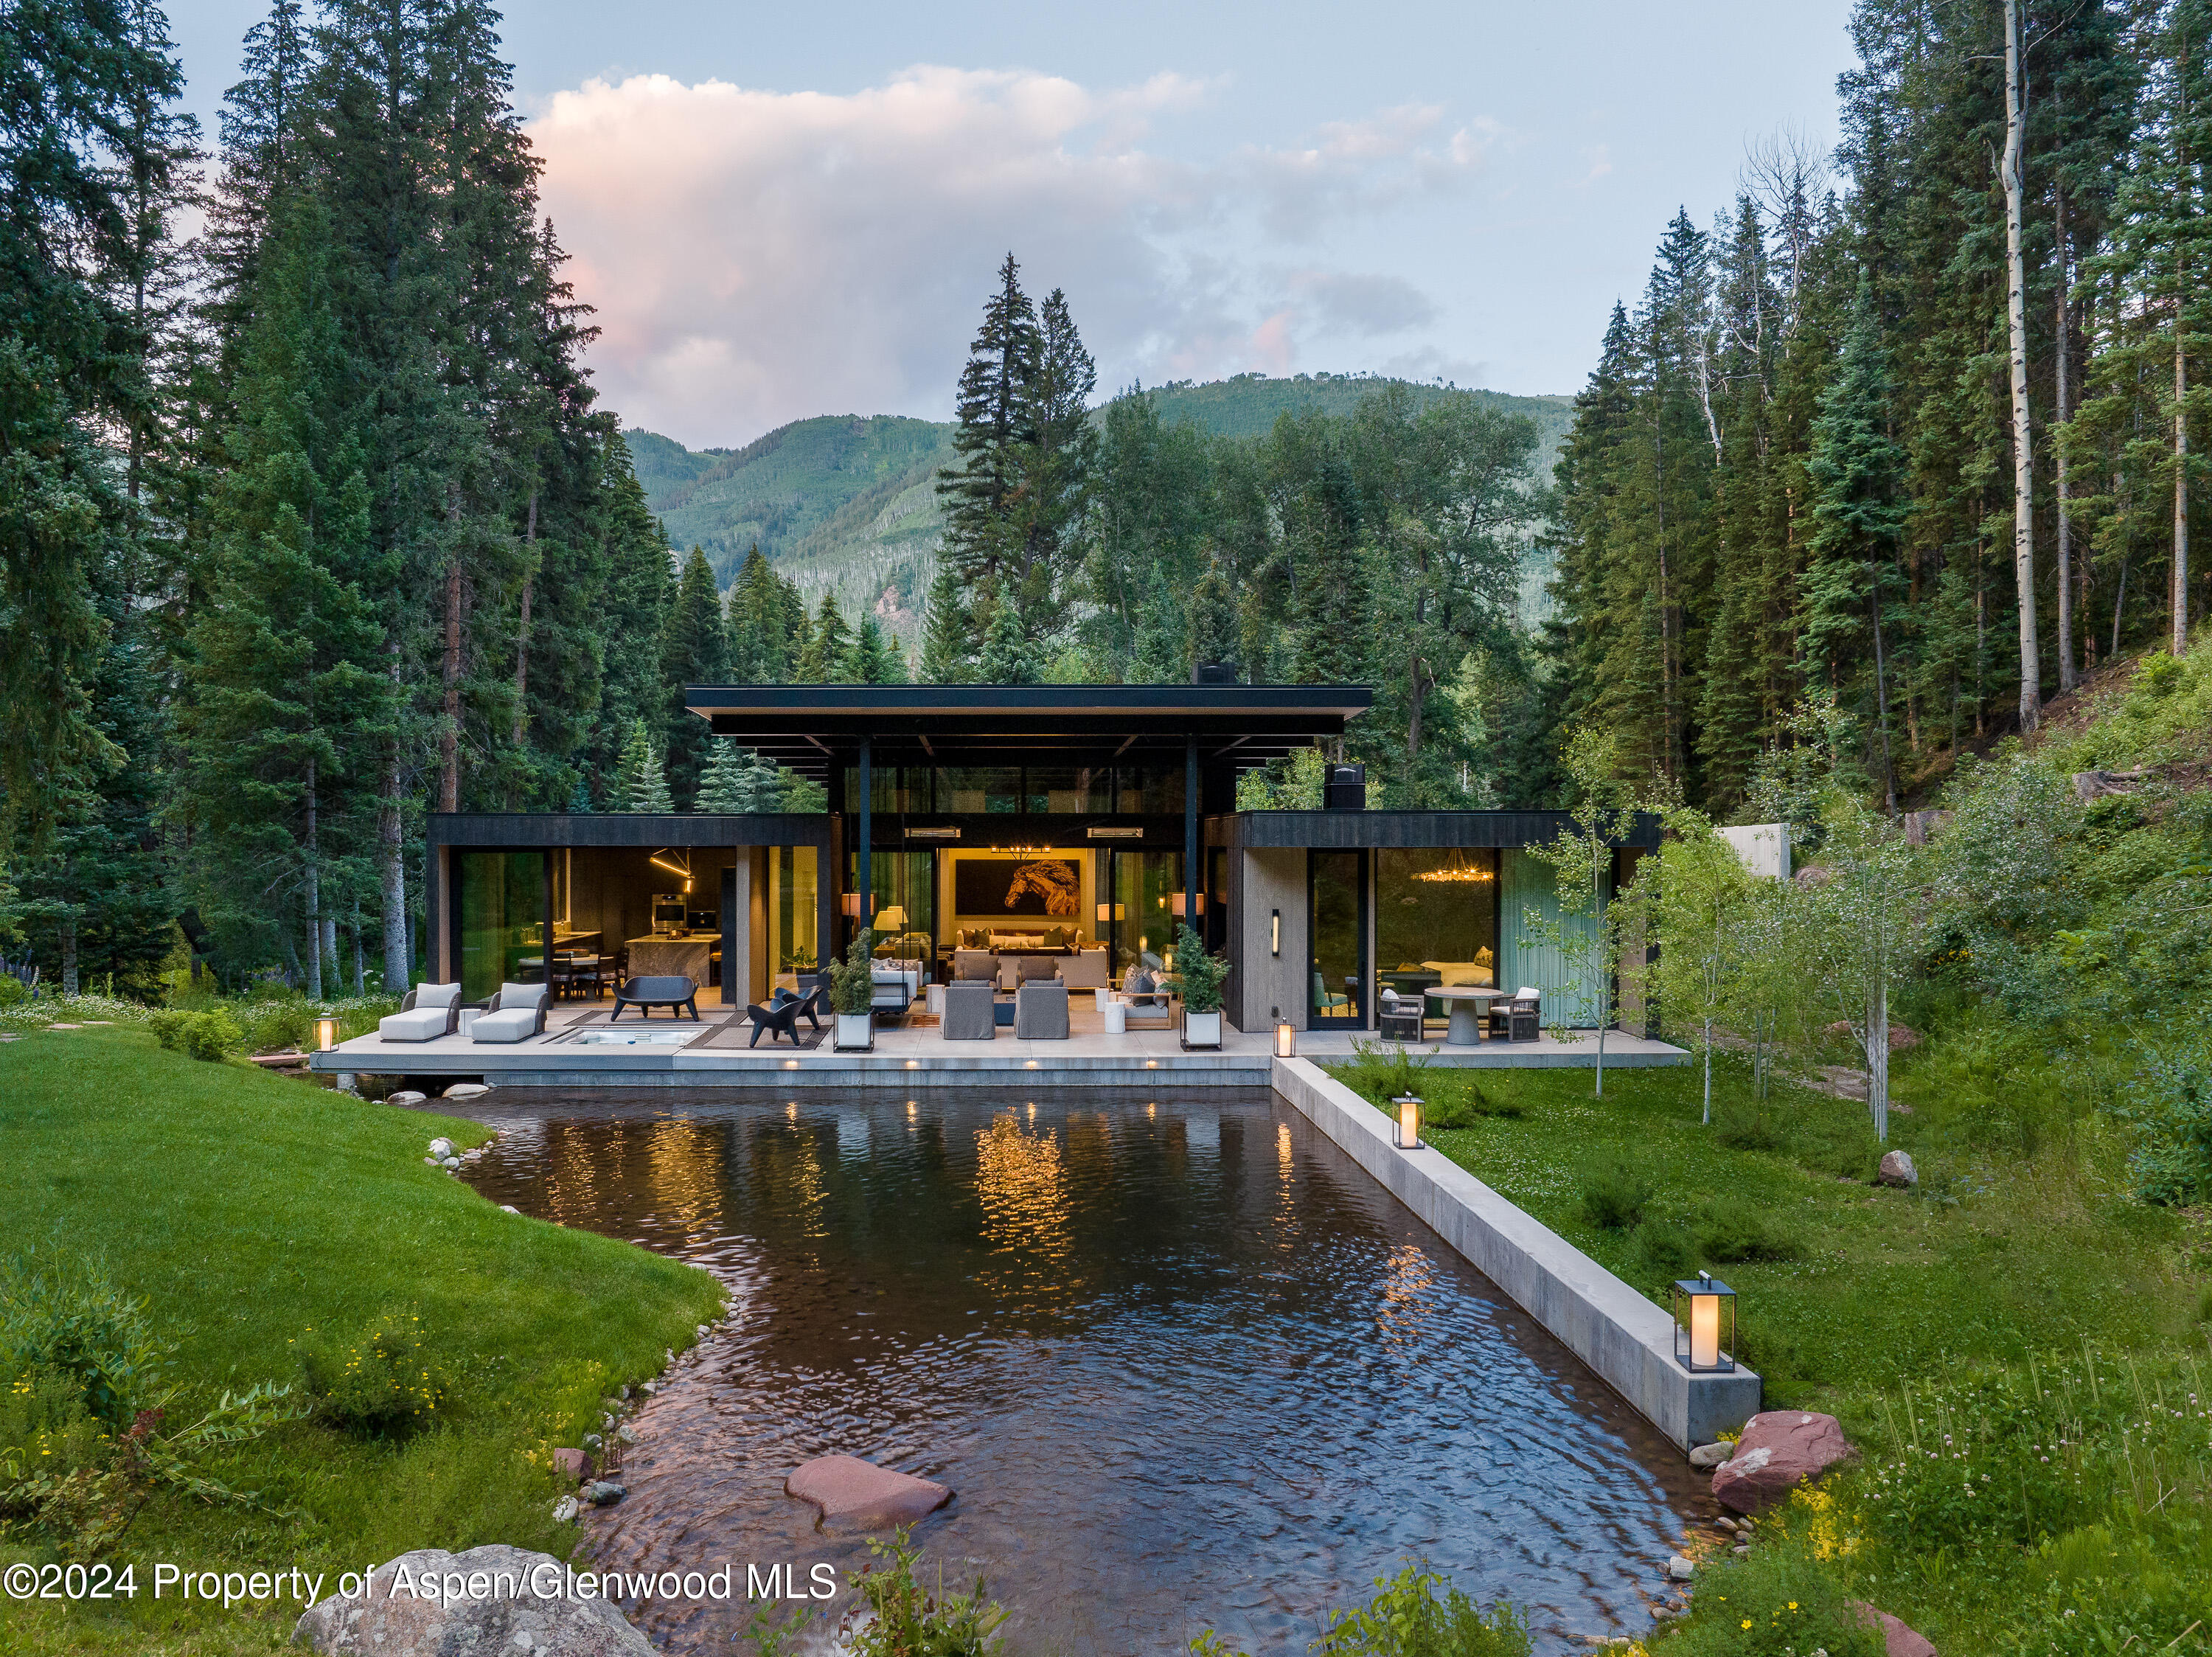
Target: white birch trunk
2023, 456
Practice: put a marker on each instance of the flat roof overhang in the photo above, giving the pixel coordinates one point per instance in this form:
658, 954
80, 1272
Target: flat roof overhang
529, 831
809, 727
1412, 830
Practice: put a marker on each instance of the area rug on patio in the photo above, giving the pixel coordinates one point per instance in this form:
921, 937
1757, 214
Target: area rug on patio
739, 1031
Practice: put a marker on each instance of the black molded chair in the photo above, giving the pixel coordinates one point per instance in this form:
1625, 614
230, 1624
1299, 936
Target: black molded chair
679, 994
782, 1015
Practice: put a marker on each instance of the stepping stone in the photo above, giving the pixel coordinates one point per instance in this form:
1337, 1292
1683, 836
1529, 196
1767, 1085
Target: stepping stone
856, 1493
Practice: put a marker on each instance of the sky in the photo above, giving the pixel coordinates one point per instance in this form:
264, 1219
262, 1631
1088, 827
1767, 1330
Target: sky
785, 211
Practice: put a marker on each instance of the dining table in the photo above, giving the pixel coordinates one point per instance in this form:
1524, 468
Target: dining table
1469, 1002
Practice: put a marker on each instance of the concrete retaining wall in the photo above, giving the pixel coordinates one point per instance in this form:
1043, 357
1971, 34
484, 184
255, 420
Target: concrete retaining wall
1627, 1339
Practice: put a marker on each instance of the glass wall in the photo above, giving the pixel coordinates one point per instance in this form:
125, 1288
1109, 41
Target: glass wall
1435, 919
501, 911
792, 940
1339, 935
904, 893
1034, 791
1144, 885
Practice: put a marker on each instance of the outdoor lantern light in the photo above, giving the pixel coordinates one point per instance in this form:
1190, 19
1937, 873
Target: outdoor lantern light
1702, 1305
1407, 1135
327, 1034
1286, 1039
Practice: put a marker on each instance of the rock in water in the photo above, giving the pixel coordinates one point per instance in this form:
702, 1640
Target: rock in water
1897, 1169
492, 1607
1897, 1640
1679, 1569
1779, 1450
1706, 1457
406, 1096
859, 1494
467, 1090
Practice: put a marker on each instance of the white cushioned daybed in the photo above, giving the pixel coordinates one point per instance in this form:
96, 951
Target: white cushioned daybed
430, 1011
515, 1014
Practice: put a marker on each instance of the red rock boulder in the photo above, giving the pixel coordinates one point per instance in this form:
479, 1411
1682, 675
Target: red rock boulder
1780, 1449
859, 1494
1897, 1640
574, 1463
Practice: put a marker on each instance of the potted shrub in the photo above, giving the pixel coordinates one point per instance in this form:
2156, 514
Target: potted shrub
1202, 980
852, 990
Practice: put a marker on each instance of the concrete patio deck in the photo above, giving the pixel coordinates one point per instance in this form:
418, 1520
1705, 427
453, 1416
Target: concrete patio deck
913, 1055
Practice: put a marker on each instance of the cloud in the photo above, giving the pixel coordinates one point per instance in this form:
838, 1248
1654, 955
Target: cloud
756, 257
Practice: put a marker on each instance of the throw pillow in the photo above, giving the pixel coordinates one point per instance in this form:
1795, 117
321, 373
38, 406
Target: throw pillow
1145, 986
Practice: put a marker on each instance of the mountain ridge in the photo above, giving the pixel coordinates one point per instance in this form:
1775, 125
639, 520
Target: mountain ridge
848, 501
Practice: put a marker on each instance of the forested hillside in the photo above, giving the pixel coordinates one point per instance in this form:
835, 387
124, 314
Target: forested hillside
1822, 457
847, 505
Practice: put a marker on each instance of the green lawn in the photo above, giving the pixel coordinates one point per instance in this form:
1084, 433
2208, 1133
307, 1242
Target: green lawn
1996, 1258
2020, 1301
259, 1213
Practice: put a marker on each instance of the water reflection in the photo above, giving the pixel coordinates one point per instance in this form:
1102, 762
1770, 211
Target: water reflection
1185, 1364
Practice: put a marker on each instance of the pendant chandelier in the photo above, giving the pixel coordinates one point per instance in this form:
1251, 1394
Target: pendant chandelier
1457, 871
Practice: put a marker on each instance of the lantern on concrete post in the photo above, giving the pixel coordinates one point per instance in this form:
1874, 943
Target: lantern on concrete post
1286, 1039
327, 1034
1406, 1135
1704, 1324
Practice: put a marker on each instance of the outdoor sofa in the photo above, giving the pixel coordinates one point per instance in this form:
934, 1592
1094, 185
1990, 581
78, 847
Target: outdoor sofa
430, 1011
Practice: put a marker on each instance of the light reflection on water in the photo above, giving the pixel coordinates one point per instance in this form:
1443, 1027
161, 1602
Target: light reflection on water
1185, 1364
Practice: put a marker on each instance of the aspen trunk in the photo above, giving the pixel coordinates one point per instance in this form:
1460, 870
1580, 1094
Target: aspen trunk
2023, 456
449, 734
522, 632
314, 884
391, 850
2066, 677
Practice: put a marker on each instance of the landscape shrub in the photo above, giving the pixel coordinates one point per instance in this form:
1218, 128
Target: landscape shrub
1379, 1071
1200, 976
1407, 1618
903, 1618
12, 992
277, 1026
379, 1384
2170, 1109
1781, 1599
1666, 1252
68, 1317
1461, 1101
1726, 1235
212, 1036
1613, 1194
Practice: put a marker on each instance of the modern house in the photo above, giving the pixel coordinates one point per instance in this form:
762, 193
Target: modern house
1033, 818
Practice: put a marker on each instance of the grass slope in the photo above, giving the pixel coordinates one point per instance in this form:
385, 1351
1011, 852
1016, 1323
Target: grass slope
257, 1214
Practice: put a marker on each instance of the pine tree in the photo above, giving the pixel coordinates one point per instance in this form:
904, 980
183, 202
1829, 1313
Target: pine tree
1858, 517
948, 637
693, 651
726, 784
872, 660
826, 643
644, 778
994, 425
1055, 466
762, 648
1008, 656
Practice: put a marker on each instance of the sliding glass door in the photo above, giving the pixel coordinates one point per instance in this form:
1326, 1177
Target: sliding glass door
500, 920
1338, 981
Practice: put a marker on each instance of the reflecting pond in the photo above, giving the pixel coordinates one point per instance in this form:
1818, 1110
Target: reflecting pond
1185, 1364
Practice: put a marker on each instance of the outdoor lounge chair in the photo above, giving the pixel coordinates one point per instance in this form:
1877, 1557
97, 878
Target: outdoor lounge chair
974, 964
969, 1011
430, 1010
515, 1014
782, 1015
1041, 1012
678, 994
1518, 1019
1085, 970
